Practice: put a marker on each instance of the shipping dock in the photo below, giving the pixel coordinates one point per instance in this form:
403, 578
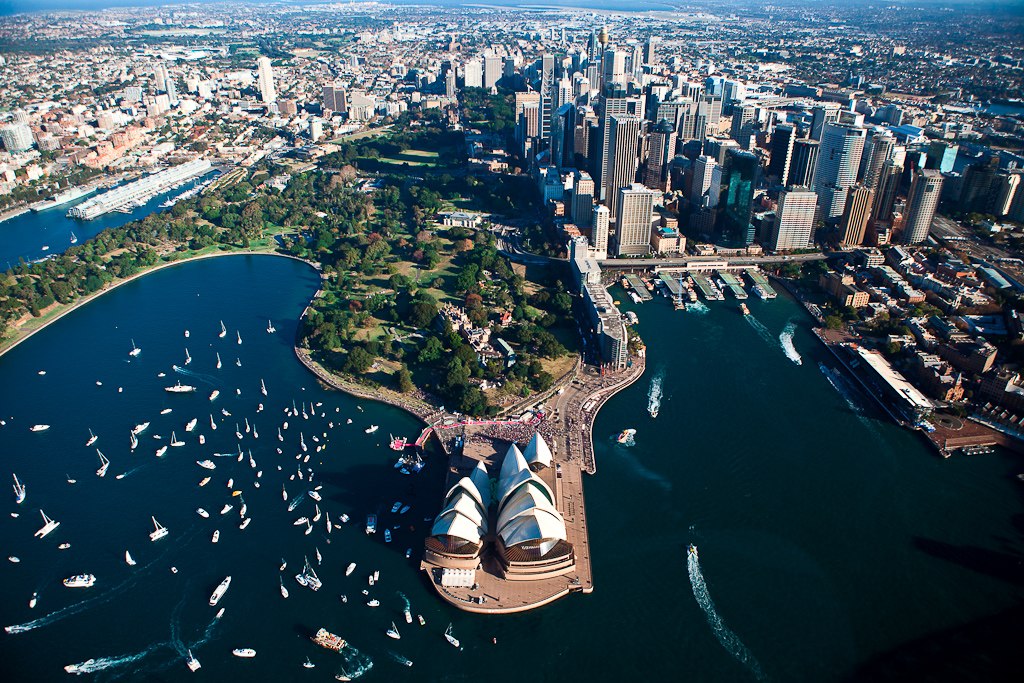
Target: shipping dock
733, 284
760, 282
707, 288
636, 285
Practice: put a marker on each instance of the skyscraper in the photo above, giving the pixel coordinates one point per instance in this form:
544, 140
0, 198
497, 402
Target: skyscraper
922, 202
582, 199
492, 71
942, 155
822, 115
838, 162
650, 51
794, 220
614, 103
473, 74
634, 208
739, 178
663, 150
599, 232
709, 112
885, 193
805, 162
622, 149
782, 152
880, 150
855, 219
265, 73
704, 189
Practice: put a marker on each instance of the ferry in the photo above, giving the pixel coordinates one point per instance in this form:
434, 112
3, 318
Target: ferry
220, 591
65, 197
328, 640
80, 581
743, 309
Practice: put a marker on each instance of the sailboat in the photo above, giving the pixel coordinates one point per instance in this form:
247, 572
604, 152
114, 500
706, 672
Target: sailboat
174, 440
223, 330
263, 387
135, 441
316, 517
188, 358
74, 237
129, 559
192, 663
48, 525
218, 361
284, 591
135, 350
449, 637
104, 464
19, 490
92, 438
238, 361
239, 336
319, 557
270, 327
158, 531
393, 632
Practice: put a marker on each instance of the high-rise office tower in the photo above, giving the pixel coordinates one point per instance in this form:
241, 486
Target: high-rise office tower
781, 152
614, 103
805, 162
709, 112
582, 199
599, 231
636, 62
704, 190
838, 161
879, 150
614, 67
739, 179
885, 193
922, 202
548, 104
794, 220
624, 134
473, 74
942, 155
165, 83
662, 151
855, 219
822, 115
265, 73
492, 71
650, 51
449, 83
634, 207
562, 141
742, 127
1009, 188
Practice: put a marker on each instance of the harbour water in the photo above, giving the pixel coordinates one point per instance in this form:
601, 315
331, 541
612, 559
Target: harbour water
25, 235
827, 537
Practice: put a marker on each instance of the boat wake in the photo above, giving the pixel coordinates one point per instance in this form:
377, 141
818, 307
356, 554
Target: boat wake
698, 307
729, 640
356, 663
762, 331
91, 666
844, 390
207, 379
786, 340
655, 392
642, 470
405, 600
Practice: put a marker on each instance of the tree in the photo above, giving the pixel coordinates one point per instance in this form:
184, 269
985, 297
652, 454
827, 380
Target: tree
834, 322
359, 360
431, 351
422, 313
404, 379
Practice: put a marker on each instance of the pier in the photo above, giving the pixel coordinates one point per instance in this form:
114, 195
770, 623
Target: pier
674, 287
733, 284
139, 191
758, 279
636, 285
706, 287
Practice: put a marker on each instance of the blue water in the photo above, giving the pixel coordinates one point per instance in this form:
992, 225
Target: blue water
24, 236
829, 539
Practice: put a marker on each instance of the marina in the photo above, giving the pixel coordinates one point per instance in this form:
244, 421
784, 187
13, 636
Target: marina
137, 193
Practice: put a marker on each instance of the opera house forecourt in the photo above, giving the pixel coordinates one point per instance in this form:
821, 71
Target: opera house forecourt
501, 543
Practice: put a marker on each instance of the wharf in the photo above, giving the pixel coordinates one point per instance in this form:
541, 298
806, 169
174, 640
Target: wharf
637, 285
674, 288
706, 287
758, 278
733, 284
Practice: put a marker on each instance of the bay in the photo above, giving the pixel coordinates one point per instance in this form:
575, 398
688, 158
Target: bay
827, 537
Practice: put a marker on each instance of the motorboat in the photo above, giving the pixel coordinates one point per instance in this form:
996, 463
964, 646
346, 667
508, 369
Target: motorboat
191, 424
351, 568
39, 428
371, 429
161, 451
244, 652
202, 513
207, 464
139, 428
219, 592
216, 536
213, 397
80, 581
693, 550
129, 560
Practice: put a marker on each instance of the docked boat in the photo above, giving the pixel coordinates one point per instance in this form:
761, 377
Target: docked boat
180, 388
192, 663
244, 652
159, 531
129, 560
80, 581
328, 640
19, 490
48, 526
104, 464
39, 428
219, 592
92, 438
449, 637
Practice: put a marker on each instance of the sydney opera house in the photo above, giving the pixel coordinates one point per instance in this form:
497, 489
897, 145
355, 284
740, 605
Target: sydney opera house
507, 525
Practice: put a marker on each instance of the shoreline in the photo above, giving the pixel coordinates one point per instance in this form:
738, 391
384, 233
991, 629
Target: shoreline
114, 285
14, 213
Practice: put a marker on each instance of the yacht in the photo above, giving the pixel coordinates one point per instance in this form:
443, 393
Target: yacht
175, 442
207, 464
204, 481
139, 428
315, 495
92, 438
216, 536
33, 601
19, 490
80, 581
393, 632
192, 663
160, 451
223, 330
104, 464
244, 652
245, 523
191, 424
129, 560
180, 388
135, 350
213, 397
226, 509
202, 513
158, 531
449, 637
219, 592
372, 428
373, 603
284, 591
48, 526
166, 411
39, 428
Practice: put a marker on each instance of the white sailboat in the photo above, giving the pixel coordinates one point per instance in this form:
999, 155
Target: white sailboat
239, 336
218, 361
449, 637
129, 559
238, 361
158, 532
329, 525
19, 490
135, 350
134, 441
270, 327
192, 663
104, 464
284, 591
74, 237
92, 438
223, 330
188, 358
175, 442
263, 387
48, 525
393, 632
